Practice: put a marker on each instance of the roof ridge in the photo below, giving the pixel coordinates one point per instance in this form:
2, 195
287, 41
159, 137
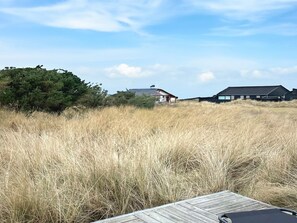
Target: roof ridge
258, 86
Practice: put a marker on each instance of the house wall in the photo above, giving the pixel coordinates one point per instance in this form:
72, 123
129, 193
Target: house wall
292, 95
279, 92
165, 97
172, 100
252, 97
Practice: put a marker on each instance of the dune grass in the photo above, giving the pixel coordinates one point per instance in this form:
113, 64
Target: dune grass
84, 166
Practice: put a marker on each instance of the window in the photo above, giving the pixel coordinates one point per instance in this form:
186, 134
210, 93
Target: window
248, 97
224, 98
241, 97
258, 96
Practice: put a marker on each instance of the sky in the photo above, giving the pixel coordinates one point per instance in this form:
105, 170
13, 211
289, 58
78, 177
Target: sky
190, 48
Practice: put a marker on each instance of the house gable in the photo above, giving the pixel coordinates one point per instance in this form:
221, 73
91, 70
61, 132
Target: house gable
279, 91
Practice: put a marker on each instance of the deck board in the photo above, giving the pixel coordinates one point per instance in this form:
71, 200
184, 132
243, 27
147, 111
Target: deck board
202, 209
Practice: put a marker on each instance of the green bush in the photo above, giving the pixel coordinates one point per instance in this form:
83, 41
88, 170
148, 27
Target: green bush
122, 98
39, 89
143, 101
94, 97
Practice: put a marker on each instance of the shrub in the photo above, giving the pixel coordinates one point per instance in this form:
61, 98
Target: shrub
39, 89
143, 101
122, 98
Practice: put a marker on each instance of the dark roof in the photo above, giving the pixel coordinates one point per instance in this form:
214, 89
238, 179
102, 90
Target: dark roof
145, 91
150, 91
250, 90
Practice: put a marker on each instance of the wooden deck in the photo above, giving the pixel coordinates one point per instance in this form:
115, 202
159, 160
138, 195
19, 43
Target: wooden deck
204, 209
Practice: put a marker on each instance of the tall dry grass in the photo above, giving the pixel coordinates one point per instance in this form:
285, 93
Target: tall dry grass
80, 167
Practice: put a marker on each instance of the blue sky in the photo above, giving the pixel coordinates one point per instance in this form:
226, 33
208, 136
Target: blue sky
188, 47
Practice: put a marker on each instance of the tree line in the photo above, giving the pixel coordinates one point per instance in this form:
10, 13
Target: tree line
39, 89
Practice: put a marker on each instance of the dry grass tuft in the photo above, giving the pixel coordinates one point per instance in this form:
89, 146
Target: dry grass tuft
87, 165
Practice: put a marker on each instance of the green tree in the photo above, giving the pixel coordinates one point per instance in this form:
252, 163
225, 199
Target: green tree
46, 90
143, 101
122, 98
95, 96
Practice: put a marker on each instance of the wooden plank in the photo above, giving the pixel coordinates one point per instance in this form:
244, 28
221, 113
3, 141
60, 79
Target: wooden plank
159, 217
203, 209
223, 203
146, 218
227, 206
240, 208
199, 211
122, 218
210, 197
190, 215
136, 221
216, 200
172, 216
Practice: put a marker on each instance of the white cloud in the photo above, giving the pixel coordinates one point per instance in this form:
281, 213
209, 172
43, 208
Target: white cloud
285, 29
206, 76
268, 73
124, 70
242, 9
106, 16
285, 70
131, 15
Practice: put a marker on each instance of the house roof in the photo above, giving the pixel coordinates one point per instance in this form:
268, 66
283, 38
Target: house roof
150, 91
146, 91
250, 90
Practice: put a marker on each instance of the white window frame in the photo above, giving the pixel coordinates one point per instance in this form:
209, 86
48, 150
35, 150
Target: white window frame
224, 98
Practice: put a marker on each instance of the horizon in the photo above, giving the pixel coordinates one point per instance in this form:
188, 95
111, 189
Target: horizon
189, 48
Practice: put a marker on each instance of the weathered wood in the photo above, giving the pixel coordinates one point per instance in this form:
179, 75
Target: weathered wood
145, 217
122, 218
159, 217
203, 209
189, 214
135, 221
208, 215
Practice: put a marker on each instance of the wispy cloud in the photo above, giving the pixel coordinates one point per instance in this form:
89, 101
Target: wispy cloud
125, 70
106, 16
268, 73
242, 9
252, 17
206, 77
284, 29
131, 15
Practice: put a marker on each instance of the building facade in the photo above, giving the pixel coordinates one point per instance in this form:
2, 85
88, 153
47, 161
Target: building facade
292, 95
263, 93
161, 95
